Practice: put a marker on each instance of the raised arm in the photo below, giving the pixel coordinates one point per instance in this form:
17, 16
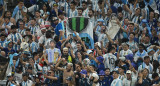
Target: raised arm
57, 66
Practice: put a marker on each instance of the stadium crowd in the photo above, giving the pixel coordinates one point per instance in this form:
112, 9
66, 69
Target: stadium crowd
34, 38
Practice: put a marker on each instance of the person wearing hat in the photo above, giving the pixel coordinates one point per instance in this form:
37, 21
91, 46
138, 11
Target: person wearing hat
11, 81
116, 81
129, 80
102, 79
55, 10
108, 77
99, 24
100, 63
83, 81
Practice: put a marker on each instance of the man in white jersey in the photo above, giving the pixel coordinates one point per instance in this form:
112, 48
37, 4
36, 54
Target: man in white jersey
109, 59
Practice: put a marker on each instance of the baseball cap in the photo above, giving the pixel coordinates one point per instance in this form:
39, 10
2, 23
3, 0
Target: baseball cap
128, 71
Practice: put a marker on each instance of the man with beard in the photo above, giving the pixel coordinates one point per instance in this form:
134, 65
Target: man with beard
80, 11
38, 18
66, 72
92, 18
66, 55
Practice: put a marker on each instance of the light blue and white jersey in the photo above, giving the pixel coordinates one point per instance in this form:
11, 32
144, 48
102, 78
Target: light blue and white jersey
94, 4
34, 46
141, 55
9, 26
27, 83
124, 53
66, 8
109, 61
156, 56
85, 12
102, 37
99, 16
143, 66
93, 21
72, 13
53, 55
3, 43
17, 14
14, 38
34, 29
43, 14
22, 32
117, 82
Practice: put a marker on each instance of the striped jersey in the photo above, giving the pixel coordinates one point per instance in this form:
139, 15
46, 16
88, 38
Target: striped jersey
117, 82
14, 38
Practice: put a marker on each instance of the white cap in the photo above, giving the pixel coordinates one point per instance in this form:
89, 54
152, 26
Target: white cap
156, 11
122, 58
128, 71
89, 51
99, 44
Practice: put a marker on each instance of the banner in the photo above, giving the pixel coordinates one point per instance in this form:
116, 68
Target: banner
113, 27
84, 27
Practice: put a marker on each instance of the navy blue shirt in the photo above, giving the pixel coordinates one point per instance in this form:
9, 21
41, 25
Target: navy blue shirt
53, 12
106, 81
50, 82
8, 51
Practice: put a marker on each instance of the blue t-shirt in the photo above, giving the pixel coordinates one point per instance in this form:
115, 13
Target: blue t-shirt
58, 28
